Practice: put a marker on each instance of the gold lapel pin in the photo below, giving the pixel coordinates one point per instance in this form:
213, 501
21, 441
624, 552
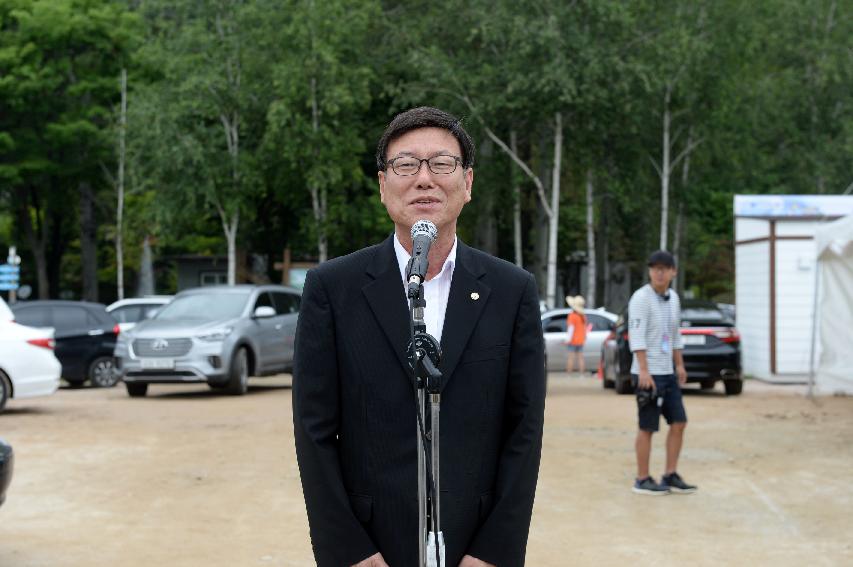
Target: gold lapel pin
475, 296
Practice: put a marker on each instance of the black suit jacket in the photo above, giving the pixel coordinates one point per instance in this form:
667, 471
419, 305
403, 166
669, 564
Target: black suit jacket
355, 421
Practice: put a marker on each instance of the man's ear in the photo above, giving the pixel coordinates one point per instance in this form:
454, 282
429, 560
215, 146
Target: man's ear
381, 176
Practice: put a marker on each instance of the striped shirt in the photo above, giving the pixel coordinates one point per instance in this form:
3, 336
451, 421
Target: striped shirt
436, 290
654, 326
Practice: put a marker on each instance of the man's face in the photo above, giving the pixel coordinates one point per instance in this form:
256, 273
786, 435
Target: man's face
661, 275
425, 195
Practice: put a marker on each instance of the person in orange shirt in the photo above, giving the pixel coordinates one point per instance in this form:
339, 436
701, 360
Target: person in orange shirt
575, 333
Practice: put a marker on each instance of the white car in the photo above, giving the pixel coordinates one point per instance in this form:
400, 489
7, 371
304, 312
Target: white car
599, 322
28, 367
129, 312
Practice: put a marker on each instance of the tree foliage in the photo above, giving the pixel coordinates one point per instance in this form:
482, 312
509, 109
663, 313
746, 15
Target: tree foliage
252, 124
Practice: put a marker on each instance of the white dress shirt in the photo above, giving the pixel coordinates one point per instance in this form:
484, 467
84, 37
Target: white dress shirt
436, 290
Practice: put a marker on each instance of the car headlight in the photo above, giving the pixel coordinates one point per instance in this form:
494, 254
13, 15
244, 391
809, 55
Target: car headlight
216, 335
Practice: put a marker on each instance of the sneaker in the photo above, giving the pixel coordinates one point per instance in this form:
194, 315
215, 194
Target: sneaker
676, 484
650, 487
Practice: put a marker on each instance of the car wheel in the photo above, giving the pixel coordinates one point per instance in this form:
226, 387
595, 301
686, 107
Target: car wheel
102, 372
733, 387
238, 378
5, 389
136, 389
606, 375
624, 386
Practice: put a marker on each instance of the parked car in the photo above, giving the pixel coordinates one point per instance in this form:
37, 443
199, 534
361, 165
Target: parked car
85, 336
728, 309
28, 367
599, 325
711, 350
7, 465
219, 335
129, 312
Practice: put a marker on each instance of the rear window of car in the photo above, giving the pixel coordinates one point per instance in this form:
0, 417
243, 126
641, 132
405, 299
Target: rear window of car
33, 316
127, 314
72, 318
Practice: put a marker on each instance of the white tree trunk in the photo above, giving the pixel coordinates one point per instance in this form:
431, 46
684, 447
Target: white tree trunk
516, 207
665, 171
318, 196
590, 240
230, 118
146, 270
231, 236
120, 187
680, 235
553, 221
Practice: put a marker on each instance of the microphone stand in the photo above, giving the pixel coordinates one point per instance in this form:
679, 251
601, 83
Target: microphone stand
424, 354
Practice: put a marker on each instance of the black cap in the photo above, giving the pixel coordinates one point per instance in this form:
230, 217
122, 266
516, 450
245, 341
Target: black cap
662, 258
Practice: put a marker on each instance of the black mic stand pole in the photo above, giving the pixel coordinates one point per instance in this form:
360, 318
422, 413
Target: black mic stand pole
424, 356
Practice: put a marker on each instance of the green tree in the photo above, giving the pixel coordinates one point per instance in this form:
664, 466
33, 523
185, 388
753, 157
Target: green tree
58, 62
322, 92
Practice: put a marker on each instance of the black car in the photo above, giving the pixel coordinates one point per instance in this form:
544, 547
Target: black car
85, 337
711, 350
7, 463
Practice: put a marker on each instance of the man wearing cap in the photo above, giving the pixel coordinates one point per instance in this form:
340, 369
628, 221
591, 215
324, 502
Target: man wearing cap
654, 315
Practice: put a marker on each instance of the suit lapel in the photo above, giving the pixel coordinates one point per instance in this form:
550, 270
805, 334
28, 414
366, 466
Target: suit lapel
463, 311
387, 299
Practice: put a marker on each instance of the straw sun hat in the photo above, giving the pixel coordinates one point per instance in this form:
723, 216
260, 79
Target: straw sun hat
576, 303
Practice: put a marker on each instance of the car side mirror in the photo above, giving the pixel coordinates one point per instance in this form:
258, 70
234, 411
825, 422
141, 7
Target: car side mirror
264, 311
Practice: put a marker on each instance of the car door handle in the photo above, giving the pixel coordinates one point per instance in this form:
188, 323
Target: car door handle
96, 332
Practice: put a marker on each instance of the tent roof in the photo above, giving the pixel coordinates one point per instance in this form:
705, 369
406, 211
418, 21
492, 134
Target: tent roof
835, 237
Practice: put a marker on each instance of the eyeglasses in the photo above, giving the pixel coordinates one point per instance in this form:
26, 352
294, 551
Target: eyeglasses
440, 165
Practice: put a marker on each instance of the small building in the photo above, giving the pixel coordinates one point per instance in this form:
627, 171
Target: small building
775, 276
196, 270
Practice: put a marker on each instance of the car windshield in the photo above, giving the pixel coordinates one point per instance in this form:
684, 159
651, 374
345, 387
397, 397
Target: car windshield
205, 306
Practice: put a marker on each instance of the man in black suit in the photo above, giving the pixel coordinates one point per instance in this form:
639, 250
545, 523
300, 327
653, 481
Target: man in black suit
353, 400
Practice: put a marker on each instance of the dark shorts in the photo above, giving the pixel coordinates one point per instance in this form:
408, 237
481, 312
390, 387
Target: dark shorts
671, 406
574, 348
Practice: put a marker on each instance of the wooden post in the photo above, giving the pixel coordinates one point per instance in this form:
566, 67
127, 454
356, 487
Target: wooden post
284, 266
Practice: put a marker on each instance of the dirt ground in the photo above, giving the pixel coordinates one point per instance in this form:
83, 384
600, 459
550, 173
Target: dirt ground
187, 477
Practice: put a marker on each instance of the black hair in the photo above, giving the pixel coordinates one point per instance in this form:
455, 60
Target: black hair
424, 117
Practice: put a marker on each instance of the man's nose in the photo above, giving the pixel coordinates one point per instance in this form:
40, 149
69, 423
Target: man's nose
424, 176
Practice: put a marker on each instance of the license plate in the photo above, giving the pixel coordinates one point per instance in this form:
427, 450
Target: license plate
157, 363
693, 339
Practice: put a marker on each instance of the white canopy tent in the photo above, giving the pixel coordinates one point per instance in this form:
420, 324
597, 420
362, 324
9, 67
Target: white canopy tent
834, 315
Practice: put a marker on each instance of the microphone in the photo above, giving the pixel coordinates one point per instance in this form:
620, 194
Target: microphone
424, 233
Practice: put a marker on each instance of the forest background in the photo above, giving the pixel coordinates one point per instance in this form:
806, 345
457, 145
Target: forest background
604, 129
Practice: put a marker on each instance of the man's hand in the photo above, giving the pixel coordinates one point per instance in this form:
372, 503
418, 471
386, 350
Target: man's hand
372, 561
682, 374
646, 382
469, 561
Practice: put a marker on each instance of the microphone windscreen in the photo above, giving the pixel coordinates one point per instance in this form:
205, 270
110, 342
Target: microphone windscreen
424, 228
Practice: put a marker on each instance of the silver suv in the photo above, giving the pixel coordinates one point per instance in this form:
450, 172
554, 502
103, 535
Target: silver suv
219, 335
